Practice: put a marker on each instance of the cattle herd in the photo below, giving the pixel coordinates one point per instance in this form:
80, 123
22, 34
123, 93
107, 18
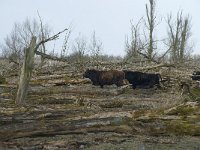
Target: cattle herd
135, 78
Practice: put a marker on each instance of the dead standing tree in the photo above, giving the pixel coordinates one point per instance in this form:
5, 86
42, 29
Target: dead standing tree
144, 48
95, 48
135, 45
79, 49
43, 35
150, 24
26, 72
179, 33
28, 66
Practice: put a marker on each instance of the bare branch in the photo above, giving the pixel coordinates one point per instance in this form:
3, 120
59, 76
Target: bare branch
50, 57
50, 38
42, 31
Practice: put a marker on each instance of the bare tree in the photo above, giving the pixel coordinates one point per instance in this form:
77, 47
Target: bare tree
27, 67
43, 33
79, 50
26, 72
134, 44
95, 48
65, 46
151, 24
20, 37
144, 47
179, 32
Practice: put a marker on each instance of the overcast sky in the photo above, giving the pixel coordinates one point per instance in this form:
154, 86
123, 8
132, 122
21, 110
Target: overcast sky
110, 19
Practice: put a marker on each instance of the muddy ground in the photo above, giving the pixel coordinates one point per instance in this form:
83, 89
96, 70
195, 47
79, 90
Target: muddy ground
64, 111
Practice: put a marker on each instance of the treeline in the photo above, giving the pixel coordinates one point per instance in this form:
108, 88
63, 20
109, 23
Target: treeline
141, 45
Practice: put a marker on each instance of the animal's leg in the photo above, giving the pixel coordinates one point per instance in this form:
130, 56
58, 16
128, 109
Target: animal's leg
133, 86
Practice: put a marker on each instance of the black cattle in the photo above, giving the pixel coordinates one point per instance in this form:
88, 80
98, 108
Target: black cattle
196, 75
105, 77
142, 80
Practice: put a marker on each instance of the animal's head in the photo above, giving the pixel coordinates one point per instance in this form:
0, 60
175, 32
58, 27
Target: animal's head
125, 72
89, 73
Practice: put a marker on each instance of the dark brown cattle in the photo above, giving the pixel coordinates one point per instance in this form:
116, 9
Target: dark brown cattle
105, 77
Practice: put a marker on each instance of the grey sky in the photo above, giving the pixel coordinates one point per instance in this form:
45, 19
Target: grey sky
109, 18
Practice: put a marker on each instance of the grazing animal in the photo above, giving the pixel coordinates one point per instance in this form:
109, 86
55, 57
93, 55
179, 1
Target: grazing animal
105, 77
142, 80
196, 75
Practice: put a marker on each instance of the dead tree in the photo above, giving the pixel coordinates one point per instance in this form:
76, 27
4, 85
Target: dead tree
150, 24
43, 48
145, 49
20, 37
65, 46
95, 48
28, 66
26, 72
134, 44
178, 37
79, 50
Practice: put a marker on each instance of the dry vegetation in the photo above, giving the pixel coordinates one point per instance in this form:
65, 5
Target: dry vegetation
49, 105
64, 111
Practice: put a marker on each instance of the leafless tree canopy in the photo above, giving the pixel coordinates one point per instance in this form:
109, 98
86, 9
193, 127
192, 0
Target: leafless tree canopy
135, 43
143, 45
179, 32
20, 37
79, 48
178, 45
95, 47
